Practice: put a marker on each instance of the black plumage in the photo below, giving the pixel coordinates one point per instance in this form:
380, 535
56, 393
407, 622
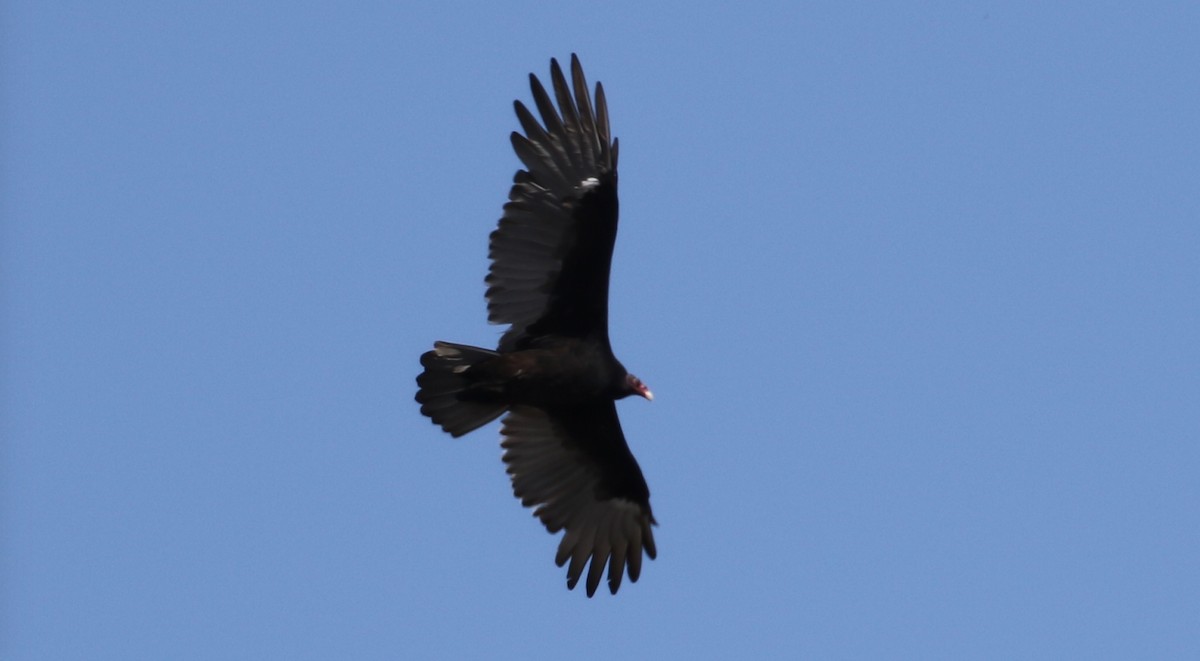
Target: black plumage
554, 372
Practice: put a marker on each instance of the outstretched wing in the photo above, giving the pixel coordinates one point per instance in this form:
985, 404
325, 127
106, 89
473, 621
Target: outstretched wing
576, 469
552, 250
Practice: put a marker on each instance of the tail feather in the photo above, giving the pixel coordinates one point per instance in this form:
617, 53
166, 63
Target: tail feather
445, 385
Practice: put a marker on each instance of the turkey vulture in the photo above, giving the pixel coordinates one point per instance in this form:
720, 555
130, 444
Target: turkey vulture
554, 372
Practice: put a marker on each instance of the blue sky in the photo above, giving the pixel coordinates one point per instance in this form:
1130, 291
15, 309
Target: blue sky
915, 285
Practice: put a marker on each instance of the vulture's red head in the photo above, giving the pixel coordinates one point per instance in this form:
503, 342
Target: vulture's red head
636, 387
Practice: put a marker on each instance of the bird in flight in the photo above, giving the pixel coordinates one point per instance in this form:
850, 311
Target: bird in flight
554, 373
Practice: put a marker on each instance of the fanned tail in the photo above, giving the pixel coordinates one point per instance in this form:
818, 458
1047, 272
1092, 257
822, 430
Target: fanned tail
445, 391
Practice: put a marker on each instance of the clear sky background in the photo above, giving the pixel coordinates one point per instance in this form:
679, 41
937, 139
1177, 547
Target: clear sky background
917, 287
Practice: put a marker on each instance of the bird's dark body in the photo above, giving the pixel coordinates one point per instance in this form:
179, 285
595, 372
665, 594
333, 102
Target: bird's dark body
553, 372
561, 374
